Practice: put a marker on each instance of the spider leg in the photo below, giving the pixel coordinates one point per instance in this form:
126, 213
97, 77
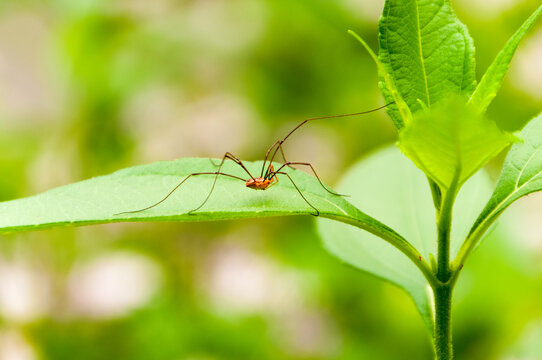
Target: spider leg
283, 156
300, 193
315, 174
275, 181
232, 157
175, 188
236, 160
280, 142
267, 155
278, 145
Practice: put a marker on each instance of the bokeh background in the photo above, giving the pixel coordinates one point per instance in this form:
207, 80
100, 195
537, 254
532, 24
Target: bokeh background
89, 86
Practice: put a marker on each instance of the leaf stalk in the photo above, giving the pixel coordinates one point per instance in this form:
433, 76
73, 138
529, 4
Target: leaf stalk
396, 240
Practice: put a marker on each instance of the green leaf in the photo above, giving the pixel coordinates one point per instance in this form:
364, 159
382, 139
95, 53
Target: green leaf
452, 141
98, 200
521, 175
403, 112
528, 344
427, 50
492, 79
391, 188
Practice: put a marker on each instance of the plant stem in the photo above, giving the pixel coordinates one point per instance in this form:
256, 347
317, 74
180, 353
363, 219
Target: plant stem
444, 225
443, 322
443, 250
443, 291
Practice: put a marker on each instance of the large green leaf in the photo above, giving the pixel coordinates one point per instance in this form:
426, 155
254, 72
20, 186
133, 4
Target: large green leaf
451, 142
521, 175
427, 50
492, 79
98, 200
389, 186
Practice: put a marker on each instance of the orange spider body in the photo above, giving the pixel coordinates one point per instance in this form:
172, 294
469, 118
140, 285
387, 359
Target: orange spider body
262, 183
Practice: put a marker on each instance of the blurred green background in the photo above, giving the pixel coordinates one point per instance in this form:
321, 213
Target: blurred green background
89, 86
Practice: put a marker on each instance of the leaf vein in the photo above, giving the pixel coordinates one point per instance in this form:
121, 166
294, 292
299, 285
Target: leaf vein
421, 53
525, 167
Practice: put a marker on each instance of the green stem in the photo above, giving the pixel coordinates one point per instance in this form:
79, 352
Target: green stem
444, 226
443, 290
443, 250
443, 322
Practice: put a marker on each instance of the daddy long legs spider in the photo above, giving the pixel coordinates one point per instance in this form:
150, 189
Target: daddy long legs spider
268, 176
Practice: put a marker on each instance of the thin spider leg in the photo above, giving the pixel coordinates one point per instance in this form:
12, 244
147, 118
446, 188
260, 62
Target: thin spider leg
278, 145
274, 182
267, 155
232, 157
284, 156
236, 160
332, 117
280, 142
227, 155
315, 174
299, 191
269, 173
176, 187
282, 152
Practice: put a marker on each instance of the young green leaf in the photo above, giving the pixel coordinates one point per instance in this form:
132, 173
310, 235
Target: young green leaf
451, 142
389, 186
427, 50
492, 79
521, 175
101, 199
400, 113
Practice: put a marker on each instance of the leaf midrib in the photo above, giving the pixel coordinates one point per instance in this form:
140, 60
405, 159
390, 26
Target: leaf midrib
421, 54
497, 207
525, 167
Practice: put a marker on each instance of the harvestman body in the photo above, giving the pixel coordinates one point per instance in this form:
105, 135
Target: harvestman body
268, 175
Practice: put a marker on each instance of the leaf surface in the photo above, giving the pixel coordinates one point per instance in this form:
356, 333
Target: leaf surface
452, 140
521, 175
492, 79
387, 185
428, 52
402, 114
98, 200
